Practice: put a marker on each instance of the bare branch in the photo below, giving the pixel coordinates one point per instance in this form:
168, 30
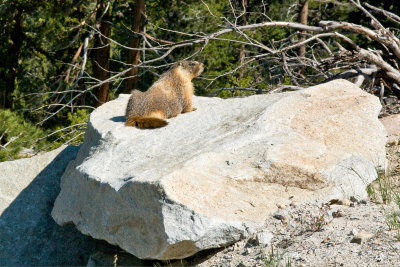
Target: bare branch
389, 15
12, 139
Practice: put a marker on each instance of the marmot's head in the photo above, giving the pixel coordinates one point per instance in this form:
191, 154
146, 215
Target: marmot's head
192, 68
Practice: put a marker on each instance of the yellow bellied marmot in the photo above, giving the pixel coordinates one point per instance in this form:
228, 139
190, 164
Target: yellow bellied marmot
166, 98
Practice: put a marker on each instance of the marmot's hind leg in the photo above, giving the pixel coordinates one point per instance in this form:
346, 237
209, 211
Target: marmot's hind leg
145, 122
152, 120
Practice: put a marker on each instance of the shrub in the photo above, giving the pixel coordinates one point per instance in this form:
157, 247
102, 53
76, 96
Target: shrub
16, 134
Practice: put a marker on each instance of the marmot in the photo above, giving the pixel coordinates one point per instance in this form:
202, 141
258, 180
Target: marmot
166, 98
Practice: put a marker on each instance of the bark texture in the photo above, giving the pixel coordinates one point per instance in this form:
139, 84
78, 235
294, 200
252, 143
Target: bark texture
101, 55
134, 42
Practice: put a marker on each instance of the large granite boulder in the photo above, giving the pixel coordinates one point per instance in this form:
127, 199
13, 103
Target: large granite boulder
212, 176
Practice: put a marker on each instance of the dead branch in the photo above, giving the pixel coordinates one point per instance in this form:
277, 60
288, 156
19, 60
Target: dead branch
12, 139
387, 14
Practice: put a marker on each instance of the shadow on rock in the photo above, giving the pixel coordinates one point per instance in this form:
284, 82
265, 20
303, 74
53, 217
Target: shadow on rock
118, 119
28, 234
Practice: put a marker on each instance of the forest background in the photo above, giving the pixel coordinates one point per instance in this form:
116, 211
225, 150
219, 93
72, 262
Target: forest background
62, 59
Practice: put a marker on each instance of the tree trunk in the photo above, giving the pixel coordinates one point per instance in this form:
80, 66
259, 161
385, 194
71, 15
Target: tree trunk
134, 42
242, 54
303, 20
16, 37
101, 56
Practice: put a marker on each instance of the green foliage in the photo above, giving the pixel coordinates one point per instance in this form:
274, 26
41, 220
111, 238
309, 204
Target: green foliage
18, 133
393, 216
73, 133
276, 259
382, 190
393, 221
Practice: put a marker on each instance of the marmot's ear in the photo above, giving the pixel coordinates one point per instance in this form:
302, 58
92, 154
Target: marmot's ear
180, 63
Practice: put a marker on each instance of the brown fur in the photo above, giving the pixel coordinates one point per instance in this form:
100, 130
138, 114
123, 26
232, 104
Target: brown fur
168, 97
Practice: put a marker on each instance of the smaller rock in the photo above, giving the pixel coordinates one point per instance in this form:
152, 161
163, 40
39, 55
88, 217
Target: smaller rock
285, 243
328, 216
293, 204
333, 201
392, 141
281, 206
337, 214
227, 256
252, 241
264, 238
239, 245
344, 202
280, 216
354, 232
247, 251
234, 247
352, 205
379, 258
327, 239
355, 199
293, 256
361, 237
363, 201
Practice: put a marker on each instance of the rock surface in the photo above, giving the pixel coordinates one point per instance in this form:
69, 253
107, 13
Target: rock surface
264, 238
212, 176
28, 234
392, 125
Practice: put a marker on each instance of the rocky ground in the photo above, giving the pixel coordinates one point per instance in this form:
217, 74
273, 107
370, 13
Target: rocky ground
391, 105
319, 235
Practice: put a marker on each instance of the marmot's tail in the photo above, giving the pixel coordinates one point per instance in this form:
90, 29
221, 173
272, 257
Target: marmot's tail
145, 122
